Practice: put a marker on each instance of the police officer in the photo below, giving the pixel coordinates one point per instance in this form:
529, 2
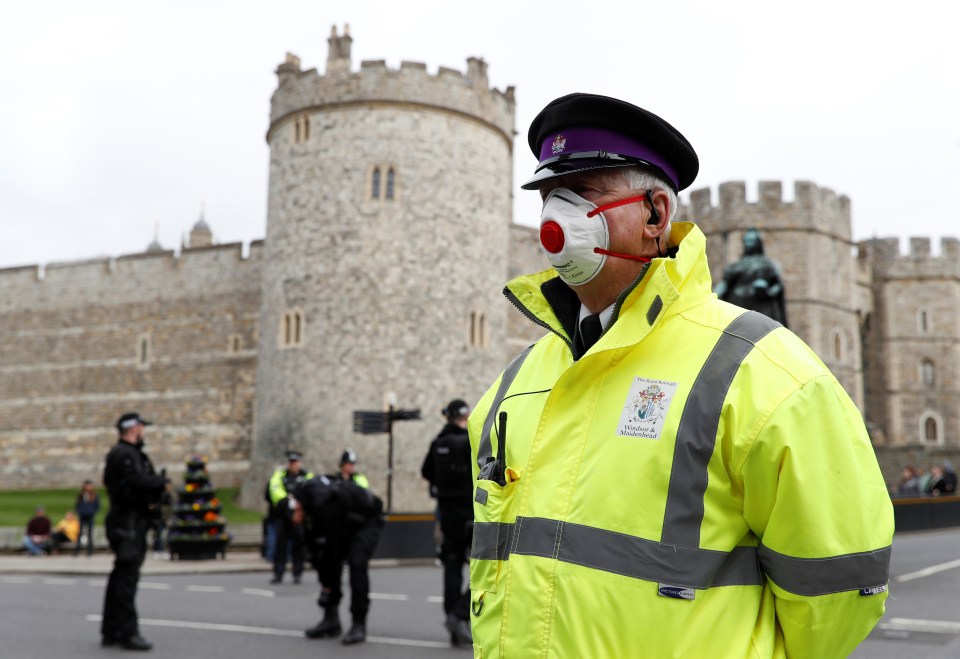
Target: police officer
289, 533
447, 468
353, 539
134, 488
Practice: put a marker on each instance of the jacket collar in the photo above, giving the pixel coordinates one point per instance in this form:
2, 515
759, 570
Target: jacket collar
547, 301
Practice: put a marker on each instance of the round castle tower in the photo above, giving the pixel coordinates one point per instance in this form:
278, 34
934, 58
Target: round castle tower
388, 221
810, 239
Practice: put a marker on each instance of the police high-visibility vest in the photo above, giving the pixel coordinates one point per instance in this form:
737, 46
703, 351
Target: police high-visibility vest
696, 485
277, 487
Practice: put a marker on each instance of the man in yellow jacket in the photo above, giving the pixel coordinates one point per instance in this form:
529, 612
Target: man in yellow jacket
663, 474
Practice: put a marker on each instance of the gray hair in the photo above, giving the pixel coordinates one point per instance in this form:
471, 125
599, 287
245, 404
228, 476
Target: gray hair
639, 178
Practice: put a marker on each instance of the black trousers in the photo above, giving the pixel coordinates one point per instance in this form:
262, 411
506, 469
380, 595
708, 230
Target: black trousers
289, 538
456, 526
355, 548
127, 536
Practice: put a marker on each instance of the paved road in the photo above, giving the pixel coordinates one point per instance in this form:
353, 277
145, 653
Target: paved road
240, 615
923, 610
216, 616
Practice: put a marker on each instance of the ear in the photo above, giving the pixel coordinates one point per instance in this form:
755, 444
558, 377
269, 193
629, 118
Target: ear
660, 201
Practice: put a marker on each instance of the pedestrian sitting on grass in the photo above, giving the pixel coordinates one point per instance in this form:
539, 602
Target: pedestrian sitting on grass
37, 538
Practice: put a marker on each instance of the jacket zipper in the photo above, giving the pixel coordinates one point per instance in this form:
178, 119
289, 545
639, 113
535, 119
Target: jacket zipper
529, 314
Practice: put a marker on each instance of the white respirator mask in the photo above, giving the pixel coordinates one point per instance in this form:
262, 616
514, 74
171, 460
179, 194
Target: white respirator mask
575, 237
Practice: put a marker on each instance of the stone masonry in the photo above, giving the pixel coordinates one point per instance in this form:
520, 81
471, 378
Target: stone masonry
388, 242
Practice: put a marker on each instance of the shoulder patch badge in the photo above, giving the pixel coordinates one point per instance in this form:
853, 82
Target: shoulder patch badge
646, 408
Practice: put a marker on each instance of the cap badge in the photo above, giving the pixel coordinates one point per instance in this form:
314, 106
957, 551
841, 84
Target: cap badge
559, 142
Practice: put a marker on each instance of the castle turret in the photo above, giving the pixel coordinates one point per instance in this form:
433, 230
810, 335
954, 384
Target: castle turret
912, 341
200, 234
338, 51
810, 238
387, 239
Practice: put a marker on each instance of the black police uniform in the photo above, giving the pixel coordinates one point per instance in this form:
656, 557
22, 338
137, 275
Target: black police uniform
134, 488
289, 536
447, 468
350, 522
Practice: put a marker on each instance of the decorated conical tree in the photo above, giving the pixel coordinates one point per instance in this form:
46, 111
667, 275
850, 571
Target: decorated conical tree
198, 530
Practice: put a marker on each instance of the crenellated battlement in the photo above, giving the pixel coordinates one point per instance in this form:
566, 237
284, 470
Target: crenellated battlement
813, 208
888, 261
133, 277
467, 93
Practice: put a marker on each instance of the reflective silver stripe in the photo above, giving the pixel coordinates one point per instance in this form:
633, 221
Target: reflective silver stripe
697, 432
491, 541
617, 553
485, 450
821, 576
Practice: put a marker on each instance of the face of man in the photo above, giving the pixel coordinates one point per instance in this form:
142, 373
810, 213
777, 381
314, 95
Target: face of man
348, 469
293, 466
133, 434
627, 225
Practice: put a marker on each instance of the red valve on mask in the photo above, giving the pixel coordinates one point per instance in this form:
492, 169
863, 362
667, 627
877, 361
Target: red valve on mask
551, 237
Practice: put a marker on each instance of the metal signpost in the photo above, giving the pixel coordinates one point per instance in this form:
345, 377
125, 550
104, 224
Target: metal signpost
374, 423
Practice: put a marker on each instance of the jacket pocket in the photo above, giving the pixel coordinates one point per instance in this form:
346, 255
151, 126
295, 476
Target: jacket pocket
494, 517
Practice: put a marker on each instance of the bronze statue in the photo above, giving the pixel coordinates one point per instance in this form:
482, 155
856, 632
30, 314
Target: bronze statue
753, 281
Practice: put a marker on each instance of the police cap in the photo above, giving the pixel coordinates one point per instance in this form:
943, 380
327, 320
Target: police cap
578, 132
348, 456
130, 419
294, 456
456, 409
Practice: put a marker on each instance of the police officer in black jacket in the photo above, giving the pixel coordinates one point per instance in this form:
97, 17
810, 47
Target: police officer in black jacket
351, 535
447, 467
134, 488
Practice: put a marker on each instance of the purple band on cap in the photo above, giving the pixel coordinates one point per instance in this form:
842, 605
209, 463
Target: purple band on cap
582, 139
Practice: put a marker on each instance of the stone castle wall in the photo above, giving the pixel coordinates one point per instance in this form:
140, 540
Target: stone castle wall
917, 310
80, 343
399, 299
810, 239
400, 295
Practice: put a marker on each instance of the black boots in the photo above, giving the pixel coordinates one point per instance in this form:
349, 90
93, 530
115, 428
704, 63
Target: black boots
459, 631
329, 627
357, 633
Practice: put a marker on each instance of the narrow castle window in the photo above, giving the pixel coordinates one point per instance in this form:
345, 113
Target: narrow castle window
301, 129
291, 329
477, 335
931, 428
923, 321
143, 350
375, 183
928, 373
234, 344
391, 181
838, 347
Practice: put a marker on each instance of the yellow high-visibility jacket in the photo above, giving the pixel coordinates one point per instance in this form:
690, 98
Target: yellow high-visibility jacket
698, 484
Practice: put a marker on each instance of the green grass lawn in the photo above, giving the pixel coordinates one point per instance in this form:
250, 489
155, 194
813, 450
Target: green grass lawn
16, 506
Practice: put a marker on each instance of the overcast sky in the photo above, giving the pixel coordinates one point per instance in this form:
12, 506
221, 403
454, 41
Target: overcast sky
119, 117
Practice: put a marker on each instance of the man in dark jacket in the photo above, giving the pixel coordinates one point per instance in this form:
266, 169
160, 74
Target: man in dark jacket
351, 535
134, 488
447, 467
288, 533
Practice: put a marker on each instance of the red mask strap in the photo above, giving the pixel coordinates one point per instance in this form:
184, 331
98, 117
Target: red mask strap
631, 257
615, 204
